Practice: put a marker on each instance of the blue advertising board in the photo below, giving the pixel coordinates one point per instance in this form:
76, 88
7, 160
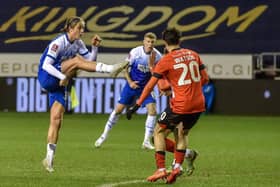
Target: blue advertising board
207, 26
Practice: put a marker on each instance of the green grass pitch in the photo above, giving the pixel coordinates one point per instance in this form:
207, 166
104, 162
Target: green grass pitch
234, 152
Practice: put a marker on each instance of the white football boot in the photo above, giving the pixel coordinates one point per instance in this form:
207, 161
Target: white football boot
190, 162
100, 141
48, 166
118, 68
147, 145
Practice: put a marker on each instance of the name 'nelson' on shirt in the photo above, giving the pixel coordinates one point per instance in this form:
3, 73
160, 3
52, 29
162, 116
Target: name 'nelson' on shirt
184, 58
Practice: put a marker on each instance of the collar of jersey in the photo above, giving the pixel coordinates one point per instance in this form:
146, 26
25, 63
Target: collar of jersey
176, 49
146, 52
66, 35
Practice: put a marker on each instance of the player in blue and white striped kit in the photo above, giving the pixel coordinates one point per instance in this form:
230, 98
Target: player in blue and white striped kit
141, 61
63, 57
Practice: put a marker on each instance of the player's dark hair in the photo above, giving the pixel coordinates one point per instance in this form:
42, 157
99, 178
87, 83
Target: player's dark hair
72, 22
171, 36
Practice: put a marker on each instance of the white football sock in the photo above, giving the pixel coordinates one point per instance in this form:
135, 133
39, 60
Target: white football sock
177, 165
149, 127
189, 153
111, 122
103, 68
161, 169
50, 152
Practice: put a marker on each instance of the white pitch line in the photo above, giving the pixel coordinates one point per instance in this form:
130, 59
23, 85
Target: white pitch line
121, 183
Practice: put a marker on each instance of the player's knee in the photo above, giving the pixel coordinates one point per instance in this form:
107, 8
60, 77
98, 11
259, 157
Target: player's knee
78, 57
56, 118
119, 108
152, 111
75, 64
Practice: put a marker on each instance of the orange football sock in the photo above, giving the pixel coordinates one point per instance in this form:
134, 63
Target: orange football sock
160, 159
170, 145
179, 156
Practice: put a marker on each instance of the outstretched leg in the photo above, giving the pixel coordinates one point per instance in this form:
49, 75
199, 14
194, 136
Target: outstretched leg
70, 66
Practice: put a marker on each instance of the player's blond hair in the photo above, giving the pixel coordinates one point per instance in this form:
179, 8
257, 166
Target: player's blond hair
72, 22
150, 35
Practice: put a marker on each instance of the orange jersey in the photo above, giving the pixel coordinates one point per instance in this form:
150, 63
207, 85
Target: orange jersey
163, 84
182, 67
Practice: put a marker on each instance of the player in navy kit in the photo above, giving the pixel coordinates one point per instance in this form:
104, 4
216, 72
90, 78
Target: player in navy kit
141, 61
62, 58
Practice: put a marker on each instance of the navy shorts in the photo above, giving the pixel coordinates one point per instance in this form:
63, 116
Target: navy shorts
51, 85
128, 96
171, 120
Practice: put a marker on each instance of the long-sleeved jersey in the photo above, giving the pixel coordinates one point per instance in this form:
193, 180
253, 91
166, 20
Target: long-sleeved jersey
61, 48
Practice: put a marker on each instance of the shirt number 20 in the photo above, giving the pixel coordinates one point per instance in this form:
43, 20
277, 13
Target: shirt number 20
192, 68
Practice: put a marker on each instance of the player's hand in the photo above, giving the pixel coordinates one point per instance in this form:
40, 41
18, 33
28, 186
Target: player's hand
96, 40
64, 82
134, 84
131, 111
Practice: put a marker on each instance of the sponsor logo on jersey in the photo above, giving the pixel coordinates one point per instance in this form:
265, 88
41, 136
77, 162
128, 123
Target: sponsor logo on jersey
54, 48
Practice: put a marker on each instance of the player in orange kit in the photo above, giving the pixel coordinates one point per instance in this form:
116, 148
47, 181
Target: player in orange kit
186, 74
